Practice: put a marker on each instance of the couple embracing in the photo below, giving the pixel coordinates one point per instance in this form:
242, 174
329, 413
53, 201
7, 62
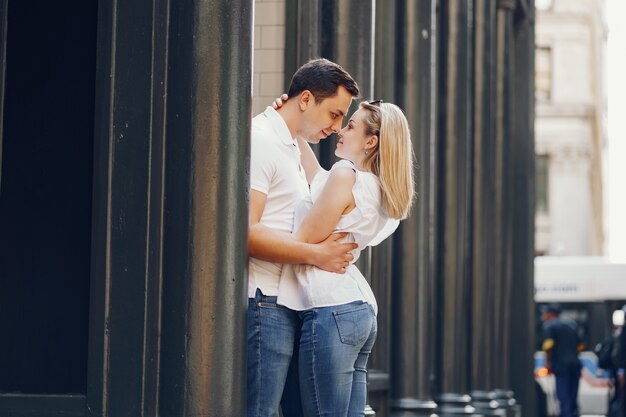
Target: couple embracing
311, 313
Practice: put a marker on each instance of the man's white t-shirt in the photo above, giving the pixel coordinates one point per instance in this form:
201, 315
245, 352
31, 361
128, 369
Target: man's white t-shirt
276, 171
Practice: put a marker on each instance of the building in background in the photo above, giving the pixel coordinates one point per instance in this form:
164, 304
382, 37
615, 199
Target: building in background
570, 126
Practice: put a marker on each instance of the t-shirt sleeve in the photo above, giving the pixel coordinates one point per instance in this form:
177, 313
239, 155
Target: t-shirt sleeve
262, 164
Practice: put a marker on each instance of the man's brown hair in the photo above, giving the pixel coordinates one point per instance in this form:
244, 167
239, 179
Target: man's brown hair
322, 78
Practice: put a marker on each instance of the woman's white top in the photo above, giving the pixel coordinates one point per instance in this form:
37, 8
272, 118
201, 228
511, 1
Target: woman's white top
303, 287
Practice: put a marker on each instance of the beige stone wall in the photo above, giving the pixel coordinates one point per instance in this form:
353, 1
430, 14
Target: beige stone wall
569, 128
269, 52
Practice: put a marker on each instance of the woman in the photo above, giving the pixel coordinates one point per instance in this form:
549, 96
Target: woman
366, 193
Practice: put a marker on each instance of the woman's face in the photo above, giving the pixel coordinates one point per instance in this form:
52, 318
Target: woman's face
353, 138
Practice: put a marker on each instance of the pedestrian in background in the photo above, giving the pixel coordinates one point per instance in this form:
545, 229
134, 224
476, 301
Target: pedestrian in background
618, 357
562, 344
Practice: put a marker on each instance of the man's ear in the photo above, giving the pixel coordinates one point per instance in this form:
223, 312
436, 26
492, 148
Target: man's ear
305, 100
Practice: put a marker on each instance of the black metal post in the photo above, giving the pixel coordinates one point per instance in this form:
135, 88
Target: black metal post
348, 39
502, 219
205, 257
378, 372
483, 311
379, 364
304, 20
127, 208
387, 40
523, 212
415, 242
455, 172
501, 253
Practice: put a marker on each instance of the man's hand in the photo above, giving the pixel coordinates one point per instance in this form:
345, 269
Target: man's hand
332, 255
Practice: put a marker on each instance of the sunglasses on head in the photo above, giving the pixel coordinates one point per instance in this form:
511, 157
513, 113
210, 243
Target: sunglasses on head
377, 104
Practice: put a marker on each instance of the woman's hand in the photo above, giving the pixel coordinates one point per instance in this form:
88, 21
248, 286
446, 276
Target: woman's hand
278, 103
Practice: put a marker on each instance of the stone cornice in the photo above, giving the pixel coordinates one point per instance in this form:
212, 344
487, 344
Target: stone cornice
564, 110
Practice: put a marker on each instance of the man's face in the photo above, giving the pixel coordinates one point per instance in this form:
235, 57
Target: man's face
322, 119
548, 315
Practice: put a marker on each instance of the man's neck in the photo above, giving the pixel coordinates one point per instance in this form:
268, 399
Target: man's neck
291, 115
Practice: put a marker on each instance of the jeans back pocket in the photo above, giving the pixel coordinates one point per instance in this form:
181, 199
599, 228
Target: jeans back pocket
354, 323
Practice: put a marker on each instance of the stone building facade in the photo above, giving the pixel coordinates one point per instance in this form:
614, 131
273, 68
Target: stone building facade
570, 126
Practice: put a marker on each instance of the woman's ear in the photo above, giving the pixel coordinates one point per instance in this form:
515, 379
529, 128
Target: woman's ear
371, 142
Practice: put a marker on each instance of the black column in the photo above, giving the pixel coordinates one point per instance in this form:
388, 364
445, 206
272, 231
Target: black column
348, 39
503, 254
483, 245
523, 210
304, 34
454, 249
127, 208
415, 241
303, 42
205, 221
379, 364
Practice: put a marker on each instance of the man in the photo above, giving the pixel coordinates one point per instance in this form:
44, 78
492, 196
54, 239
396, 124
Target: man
562, 344
322, 92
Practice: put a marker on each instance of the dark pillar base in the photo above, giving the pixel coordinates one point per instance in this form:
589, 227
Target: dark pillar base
455, 405
485, 403
411, 407
506, 401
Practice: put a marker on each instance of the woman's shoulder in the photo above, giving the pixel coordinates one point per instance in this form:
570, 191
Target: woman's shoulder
343, 178
343, 171
343, 163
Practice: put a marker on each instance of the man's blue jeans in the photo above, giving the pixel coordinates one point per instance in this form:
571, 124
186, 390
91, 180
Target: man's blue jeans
334, 347
272, 333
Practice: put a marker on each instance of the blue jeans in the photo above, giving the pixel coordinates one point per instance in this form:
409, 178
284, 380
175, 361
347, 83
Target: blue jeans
334, 347
272, 332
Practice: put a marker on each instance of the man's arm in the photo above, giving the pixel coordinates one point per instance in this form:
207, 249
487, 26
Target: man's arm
275, 246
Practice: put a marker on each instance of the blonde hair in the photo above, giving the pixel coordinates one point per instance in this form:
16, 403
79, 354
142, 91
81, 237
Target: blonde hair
391, 160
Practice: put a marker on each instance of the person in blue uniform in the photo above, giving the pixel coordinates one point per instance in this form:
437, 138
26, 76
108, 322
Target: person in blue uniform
562, 344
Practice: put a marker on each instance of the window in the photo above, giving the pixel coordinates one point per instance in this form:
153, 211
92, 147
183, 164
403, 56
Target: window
47, 167
543, 73
541, 175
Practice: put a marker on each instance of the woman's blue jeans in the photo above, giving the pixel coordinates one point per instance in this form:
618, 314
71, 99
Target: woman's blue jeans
335, 343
